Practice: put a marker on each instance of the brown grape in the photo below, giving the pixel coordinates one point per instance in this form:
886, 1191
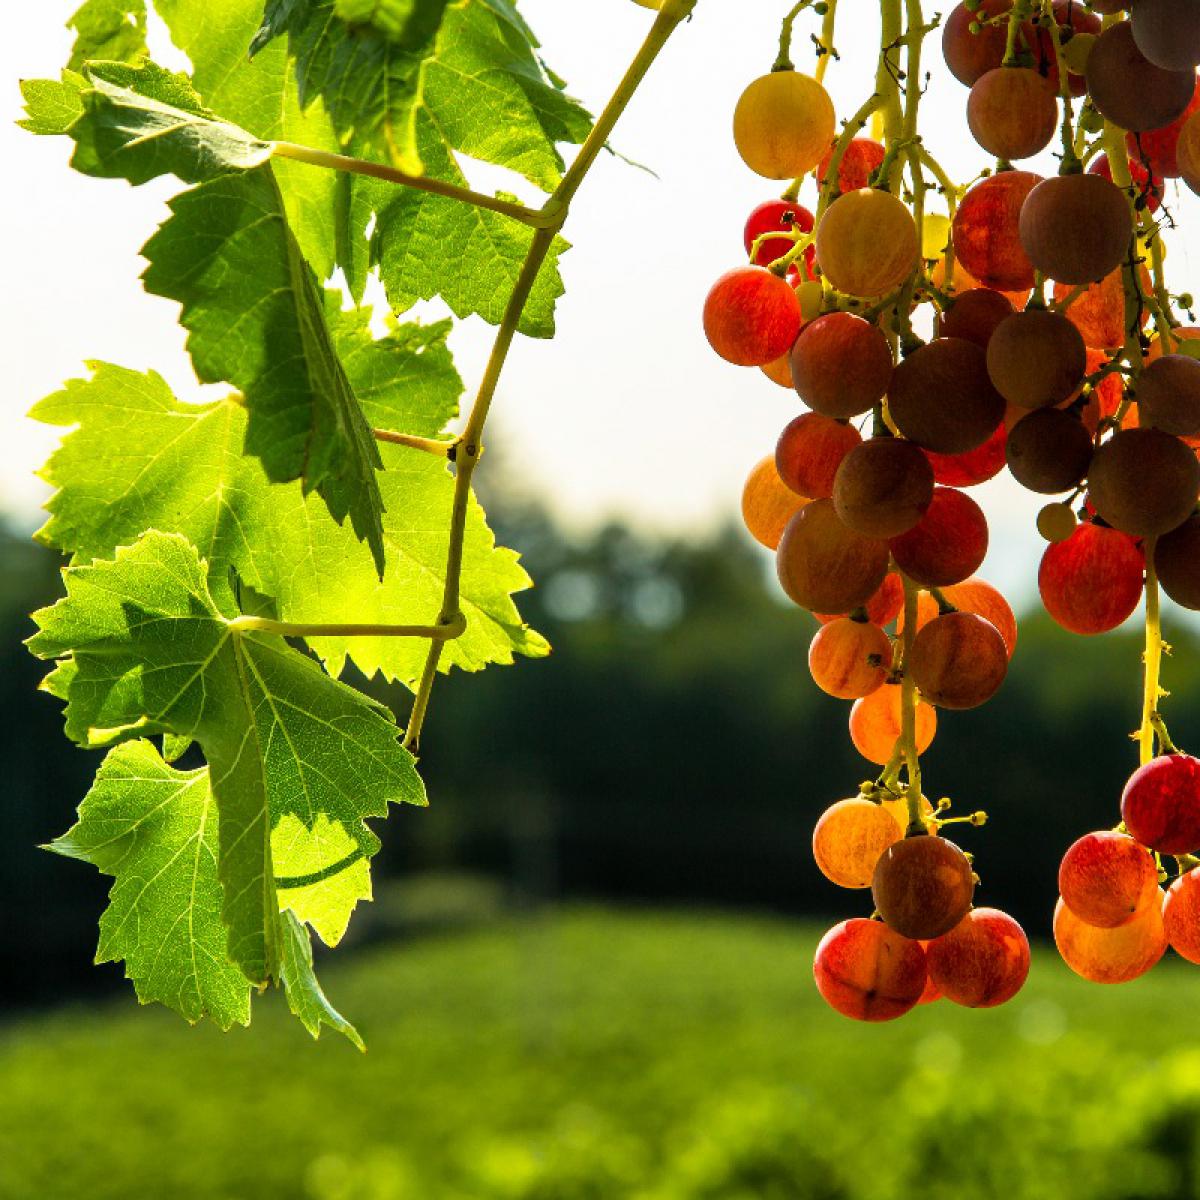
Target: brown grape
1106, 878
1167, 32
1049, 451
1091, 582
1161, 804
980, 597
1129, 89
841, 365
782, 124
1168, 395
923, 886
958, 660
868, 973
948, 543
1177, 560
986, 231
849, 838
849, 659
824, 566
875, 724
1181, 915
942, 398
883, 487
751, 317
867, 243
1076, 228
982, 962
1144, 481
969, 55
1012, 112
1036, 359
1111, 955
974, 315
884, 604
810, 450
768, 504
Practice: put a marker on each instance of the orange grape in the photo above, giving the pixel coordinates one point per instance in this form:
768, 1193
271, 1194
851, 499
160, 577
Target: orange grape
867, 243
849, 659
875, 724
768, 504
1111, 955
849, 838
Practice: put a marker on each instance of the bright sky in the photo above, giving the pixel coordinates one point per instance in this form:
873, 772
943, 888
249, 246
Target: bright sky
627, 412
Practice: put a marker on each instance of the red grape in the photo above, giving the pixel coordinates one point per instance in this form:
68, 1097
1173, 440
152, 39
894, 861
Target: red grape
1181, 915
1106, 878
982, 962
849, 659
958, 660
772, 216
1091, 582
875, 724
1161, 804
947, 544
986, 231
975, 466
826, 567
862, 157
810, 450
865, 971
841, 365
751, 316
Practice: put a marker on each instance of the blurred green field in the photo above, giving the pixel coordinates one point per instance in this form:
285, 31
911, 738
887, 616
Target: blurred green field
592, 1054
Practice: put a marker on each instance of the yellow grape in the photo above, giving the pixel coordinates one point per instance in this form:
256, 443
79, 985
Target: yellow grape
783, 124
850, 837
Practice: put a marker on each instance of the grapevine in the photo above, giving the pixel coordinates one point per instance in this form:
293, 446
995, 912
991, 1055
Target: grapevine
1031, 326
227, 560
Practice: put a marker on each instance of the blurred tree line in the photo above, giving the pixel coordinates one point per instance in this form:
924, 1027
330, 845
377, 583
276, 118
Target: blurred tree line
672, 749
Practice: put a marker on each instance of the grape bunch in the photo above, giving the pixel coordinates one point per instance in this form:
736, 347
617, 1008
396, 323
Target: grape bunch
1029, 327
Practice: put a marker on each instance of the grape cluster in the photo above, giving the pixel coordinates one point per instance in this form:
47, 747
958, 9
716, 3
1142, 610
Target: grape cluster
1030, 327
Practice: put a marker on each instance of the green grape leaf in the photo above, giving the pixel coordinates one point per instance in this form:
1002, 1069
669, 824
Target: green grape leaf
255, 318
471, 65
304, 995
114, 30
154, 830
138, 458
145, 648
142, 122
52, 106
320, 874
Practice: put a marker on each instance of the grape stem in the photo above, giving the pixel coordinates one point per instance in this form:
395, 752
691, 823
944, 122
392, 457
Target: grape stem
783, 60
1152, 659
908, 710
826, 49
441, 447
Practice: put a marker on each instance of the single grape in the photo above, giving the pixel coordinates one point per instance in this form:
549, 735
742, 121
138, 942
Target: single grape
1076, 228
982, 962
1049, 451
1161, 804
1147, 184
1012, 112
810, 450
958, 660
1036, 359
975, 466
849, 659
841, 365
875, 724
823, 565
768, 504
1168, 395
986, 231
1099, 312
1177, 560
1091, 582
751, 316
782, 124
1167, 32
862, 157
849, 838
1129, 89
947, 544
777, 216
1084, 27
1144, 481
1158, 149
883, 487
868, 973
975, 314
1181, 915
1106, 878
923, 886
867, 243
980, 597
1110, 955
970, 55
942, 399
1056, 522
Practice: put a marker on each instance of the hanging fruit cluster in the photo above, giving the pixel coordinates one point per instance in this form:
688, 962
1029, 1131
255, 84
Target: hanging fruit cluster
1030, 326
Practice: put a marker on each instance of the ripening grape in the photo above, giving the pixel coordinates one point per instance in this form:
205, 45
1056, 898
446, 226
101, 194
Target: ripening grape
1167, 32
1091, 582
1036, 358
982, 962
958, 660
942, 398
849, 838
883, 606
1177, 560
1076, 228
1144, 481
974, 315
849, 659
751, 316
1146, 184
1129, 89
975, 466
883, 487
1049, 450
768, 504
841, 365
1012, 112
777, 216
1099, 312
1110, 955
1168, 395
948, 543
875, 724
782, 124
969, 55
899, 810
1181, 915
779, 370
1106, 878
986, 231
867, 243
923, 886
1161, 804
810, 450
1056, 522
865, 971
823, 565
980, 597
863, 156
